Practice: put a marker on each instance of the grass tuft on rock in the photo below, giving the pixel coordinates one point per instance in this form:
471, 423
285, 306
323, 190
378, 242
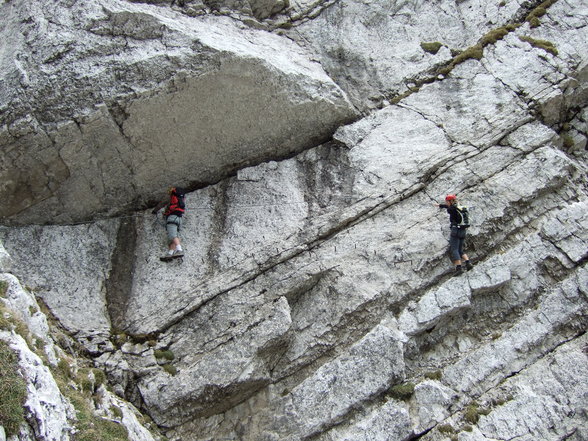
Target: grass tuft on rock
164, 354
446, 429
541, 44
3, 288
170, 369
13, 392
472, 413
533, 16
402, 391
92, 427
434, 375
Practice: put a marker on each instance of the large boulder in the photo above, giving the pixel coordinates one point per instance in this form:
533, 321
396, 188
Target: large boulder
105, 104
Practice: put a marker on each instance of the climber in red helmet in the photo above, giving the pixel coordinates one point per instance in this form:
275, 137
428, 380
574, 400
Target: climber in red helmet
459, 222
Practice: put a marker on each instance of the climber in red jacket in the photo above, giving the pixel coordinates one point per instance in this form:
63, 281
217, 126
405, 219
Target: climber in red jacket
176, 207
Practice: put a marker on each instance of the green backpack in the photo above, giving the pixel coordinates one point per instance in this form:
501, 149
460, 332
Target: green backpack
465, 216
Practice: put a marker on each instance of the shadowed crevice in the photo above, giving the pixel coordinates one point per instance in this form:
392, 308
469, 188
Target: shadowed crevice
120, 280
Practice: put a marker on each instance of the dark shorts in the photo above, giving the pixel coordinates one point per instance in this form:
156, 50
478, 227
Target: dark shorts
456, 242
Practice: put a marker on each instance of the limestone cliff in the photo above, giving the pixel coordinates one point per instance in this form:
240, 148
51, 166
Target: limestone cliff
316, 300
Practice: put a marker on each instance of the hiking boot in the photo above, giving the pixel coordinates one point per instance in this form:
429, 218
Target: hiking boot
468, 265
458, 270
178, 253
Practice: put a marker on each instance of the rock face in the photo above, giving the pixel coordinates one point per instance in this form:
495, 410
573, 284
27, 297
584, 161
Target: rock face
106, 103
316, 299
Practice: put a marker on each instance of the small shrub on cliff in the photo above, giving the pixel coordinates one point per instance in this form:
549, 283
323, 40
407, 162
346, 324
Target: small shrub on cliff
446, 428
119, 339
534, 22
402, 391
166, 355
116, 412
13, 391
431, 47
533, 17
473, 412
539, 11
170, 369
434, 375
568, 141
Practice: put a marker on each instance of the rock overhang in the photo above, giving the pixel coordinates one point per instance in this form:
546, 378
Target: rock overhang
177, 101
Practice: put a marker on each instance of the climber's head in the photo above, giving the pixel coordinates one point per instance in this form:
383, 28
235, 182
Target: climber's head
451, 199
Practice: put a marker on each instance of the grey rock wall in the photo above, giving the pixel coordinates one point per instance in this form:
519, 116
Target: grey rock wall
104, 104
316, 299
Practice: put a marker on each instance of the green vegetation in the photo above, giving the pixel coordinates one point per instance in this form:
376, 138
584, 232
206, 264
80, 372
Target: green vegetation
541, 44
78, 389
92, 427
164, 354
446, 428
5, 322
90, 379
475, 52
497, 34
502, 400
434, 375
568, 141
119, 339
11, 323
116, 412
534, 22
64, 368
402, 391
431, 47
473, 412
13, 391
3, 288
170, 369
539, 11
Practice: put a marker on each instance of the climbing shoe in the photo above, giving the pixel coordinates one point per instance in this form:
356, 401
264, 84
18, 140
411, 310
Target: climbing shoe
458, 270
468, 265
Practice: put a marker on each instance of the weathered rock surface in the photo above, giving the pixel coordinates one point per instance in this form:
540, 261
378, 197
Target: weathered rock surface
314, 288
50, 414
106, 103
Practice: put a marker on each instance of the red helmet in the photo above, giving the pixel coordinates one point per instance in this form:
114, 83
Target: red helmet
450, 197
